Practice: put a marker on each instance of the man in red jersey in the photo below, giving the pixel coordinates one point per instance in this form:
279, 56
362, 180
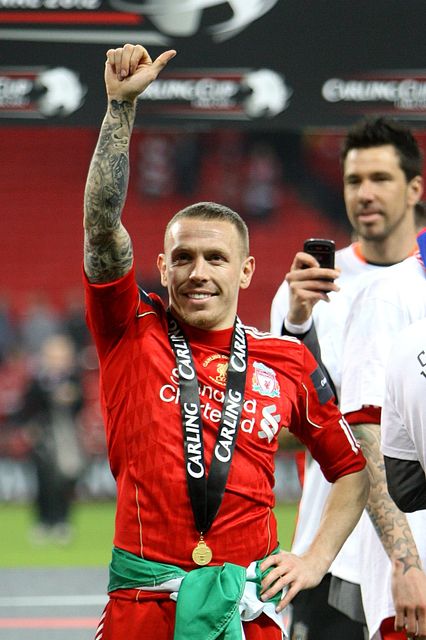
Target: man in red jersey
193, 403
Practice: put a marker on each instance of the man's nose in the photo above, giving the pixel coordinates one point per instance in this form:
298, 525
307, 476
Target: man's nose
365, 190
199, 269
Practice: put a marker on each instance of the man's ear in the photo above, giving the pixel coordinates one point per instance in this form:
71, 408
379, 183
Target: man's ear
416, 189
161, 264
247, 272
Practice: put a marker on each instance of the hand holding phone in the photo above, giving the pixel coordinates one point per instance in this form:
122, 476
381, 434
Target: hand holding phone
322, 250
306, 291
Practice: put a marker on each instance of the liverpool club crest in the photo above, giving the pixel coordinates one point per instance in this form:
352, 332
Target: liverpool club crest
265, 380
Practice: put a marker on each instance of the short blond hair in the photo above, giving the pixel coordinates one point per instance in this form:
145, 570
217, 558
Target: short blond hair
214, 211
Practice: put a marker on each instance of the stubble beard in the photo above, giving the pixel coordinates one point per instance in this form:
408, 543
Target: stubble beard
372, 234
198, 320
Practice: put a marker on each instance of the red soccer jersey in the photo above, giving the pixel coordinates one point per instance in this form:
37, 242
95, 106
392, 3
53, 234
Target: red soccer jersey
140, 399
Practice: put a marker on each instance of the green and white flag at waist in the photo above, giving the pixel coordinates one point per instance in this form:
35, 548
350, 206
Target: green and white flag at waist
212, 601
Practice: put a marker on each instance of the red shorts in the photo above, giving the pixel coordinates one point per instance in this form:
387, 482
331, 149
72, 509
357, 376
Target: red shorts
151, 617
387, 629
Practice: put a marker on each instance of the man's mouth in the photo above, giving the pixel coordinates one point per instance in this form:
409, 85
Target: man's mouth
368, 214
199, 296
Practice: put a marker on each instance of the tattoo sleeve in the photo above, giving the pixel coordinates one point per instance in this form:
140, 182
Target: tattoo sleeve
108, 252
389, 522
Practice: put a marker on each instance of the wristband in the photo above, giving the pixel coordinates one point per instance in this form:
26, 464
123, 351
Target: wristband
298, 328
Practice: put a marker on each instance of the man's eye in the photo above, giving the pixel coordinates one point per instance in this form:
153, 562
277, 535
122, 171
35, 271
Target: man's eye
182, 257
216, 257
216, 260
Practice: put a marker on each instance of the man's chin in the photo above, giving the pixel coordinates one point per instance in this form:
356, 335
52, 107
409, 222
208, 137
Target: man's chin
197, 319
371, 231
373, 235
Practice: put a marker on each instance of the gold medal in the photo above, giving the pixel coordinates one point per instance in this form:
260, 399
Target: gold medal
202, 554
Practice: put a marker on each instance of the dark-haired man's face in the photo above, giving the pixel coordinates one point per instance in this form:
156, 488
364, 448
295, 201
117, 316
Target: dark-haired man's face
378, 197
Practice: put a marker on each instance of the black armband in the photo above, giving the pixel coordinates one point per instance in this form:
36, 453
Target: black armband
406, 484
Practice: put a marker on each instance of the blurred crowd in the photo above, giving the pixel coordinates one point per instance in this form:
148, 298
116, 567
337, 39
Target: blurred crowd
49, 408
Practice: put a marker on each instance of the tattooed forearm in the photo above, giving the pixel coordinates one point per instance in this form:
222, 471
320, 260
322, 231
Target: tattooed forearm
108, 250
390, 523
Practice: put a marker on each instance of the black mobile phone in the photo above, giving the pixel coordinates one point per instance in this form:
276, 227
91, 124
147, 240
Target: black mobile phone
323, 250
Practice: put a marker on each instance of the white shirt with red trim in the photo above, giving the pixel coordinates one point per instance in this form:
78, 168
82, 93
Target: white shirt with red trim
329, 321
381, 310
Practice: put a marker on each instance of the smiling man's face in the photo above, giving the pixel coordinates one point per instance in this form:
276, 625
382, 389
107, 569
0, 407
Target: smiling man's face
203, 267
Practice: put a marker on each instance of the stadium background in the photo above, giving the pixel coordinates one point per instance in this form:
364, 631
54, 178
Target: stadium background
266, 144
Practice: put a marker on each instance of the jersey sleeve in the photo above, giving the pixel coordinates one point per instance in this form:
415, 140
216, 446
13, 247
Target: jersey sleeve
321, 426
396, 442
111, 307
404, 408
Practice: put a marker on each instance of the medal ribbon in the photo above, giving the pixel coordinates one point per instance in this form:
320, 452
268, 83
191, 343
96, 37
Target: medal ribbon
206, 494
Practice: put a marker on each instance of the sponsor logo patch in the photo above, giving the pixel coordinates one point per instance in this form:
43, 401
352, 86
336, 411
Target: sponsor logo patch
270, 423
321, 385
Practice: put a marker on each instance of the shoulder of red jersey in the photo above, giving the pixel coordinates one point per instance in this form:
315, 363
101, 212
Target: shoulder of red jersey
266, 335
149, 304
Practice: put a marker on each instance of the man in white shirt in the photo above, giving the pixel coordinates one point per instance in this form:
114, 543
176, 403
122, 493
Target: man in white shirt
382, 185
393, 581
404, 419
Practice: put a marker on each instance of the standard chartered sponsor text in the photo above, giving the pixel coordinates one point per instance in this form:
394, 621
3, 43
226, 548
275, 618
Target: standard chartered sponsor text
170, 393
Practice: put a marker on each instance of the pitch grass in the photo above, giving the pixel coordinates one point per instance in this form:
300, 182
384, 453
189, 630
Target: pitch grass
93, 530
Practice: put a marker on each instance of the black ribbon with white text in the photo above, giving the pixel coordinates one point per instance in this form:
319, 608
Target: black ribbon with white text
206, 494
